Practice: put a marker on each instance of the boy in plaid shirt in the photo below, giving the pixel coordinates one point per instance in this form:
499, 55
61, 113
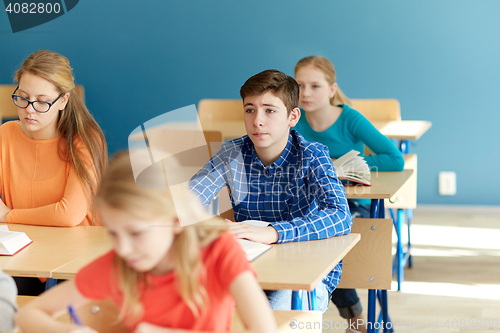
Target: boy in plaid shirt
275, 175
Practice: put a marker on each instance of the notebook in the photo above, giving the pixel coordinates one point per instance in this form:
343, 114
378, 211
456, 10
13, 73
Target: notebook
253, 249
12, 242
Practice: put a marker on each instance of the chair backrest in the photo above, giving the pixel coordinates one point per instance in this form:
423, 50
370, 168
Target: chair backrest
214, 141
378, 109
369, 264
8, 109
220, 109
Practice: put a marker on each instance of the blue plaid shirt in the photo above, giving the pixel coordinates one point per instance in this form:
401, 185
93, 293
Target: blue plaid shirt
299, 194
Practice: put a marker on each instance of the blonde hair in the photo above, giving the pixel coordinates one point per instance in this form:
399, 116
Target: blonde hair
74, 122
119, 190
328, 69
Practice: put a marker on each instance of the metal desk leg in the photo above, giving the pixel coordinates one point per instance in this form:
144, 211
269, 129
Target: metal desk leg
297, 300
374, 209
400, 264
371, 323
313, 301
375, 212
385, 312
50, 283
404, 146
409, 215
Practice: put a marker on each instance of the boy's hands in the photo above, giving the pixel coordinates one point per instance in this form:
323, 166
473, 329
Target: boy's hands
267, 235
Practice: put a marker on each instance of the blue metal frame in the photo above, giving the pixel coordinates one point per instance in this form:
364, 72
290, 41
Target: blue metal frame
313, 301
377, 210
297, 300
402, 257
50, 283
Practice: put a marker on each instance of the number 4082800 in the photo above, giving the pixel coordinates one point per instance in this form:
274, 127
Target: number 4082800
33, 8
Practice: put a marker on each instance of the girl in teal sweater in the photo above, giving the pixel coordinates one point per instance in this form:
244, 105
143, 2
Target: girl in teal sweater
328, 118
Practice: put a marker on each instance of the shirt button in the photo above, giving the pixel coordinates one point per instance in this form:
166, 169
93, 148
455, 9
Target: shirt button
269, 203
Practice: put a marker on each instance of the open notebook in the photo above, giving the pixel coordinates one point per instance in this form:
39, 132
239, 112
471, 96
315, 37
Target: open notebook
12, 242
251, 248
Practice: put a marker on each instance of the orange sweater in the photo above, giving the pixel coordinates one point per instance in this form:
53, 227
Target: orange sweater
38, 186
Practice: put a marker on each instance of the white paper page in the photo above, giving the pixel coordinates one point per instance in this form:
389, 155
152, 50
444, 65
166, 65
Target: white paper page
4, 227
256, 223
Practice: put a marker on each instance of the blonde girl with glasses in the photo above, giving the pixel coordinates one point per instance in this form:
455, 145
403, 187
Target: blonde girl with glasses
163, 277
52, 158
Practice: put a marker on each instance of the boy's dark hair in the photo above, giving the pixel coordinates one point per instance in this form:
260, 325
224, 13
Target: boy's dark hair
283, 86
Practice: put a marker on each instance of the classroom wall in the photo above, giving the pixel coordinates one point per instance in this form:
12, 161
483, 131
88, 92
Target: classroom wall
139, 59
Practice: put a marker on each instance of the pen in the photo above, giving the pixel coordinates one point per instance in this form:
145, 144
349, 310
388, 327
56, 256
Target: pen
74, 315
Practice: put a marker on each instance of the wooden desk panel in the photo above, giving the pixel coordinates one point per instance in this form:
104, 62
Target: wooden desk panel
400, 130
384, 185
404, 129
52, 247
69, 270
301, 265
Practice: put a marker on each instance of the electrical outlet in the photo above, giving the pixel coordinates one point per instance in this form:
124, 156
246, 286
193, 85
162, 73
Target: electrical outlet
447, 183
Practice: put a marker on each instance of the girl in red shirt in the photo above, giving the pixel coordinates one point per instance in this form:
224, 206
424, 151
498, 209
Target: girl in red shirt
163, 277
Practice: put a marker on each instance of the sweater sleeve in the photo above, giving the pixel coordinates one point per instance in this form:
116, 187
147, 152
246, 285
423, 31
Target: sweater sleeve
387, 157
70, 211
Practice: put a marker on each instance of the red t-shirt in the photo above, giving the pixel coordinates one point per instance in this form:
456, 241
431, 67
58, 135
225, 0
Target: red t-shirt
162, 304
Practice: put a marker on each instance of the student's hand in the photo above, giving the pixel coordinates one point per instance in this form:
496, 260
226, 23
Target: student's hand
150, 328
267, 235
4, 210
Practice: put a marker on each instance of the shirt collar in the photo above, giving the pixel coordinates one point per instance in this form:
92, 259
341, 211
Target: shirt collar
282, 160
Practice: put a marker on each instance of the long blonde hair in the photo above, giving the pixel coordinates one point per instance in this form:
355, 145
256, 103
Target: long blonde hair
74, 122
328, 69
119, 190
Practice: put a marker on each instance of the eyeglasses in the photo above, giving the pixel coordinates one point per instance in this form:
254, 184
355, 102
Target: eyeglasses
38, 106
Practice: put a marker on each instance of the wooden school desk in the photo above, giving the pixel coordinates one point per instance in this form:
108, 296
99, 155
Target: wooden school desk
399, 130
413, 131
69, 270
296, 266
384, 186
402, 129
301, 265
52, 248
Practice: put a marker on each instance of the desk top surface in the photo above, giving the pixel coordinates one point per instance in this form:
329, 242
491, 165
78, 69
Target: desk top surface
301, 265
401, 129
69, 270
60, 252
52, 248
384, 185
